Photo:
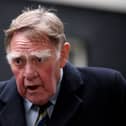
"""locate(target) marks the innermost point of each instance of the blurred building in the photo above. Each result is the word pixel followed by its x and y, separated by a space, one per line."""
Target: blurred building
pixel 95 28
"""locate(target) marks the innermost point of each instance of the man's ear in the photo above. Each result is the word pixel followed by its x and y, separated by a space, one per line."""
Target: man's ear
pixel 64 54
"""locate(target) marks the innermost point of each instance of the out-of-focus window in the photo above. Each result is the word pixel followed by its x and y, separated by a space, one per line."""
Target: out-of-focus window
pixel 79 52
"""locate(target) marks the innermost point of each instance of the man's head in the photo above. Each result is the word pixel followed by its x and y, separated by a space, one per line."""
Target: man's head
pixel 36 50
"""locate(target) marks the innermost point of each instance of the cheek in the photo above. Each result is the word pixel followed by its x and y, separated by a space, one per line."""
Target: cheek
pixel 47 75
pixel 17 73
pixel 15 70
pixel 50 76
pixel 19 81
pixel 53 71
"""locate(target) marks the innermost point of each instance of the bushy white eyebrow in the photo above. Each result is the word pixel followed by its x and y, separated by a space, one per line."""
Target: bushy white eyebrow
pixel 40 54
pixel 12 55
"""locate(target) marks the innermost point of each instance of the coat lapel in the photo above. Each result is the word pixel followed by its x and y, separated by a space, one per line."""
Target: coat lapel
pixel 68 101
pixel 11 107
pixel 64 110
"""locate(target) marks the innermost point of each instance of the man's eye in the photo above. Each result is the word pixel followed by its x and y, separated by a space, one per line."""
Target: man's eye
pixel 18 61
pixel 41 60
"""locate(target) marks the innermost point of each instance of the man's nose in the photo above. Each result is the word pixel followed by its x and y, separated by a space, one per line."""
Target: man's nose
pixel 30 72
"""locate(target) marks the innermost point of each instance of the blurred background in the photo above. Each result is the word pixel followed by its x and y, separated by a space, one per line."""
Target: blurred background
pixel 96 30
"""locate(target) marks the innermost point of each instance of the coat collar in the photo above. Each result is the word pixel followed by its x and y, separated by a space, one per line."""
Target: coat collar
pixel 72 78
pixel 68 101
pixel 11 106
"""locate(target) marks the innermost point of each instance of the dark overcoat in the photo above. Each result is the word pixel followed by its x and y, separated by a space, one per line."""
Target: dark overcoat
pixel 88 97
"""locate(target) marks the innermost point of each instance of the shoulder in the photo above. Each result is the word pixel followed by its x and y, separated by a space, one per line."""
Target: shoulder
pixel 103 79
pixel 3 84
pixel 97 84
pixel 94 73
pixel 94 77
pixel 100 72
pixel 6 84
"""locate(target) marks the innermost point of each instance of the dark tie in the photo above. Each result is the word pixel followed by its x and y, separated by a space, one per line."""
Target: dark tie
pixel 44 120
pixel 43 115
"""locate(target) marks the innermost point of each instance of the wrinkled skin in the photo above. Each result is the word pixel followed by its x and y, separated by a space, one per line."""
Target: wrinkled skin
pixel 36 79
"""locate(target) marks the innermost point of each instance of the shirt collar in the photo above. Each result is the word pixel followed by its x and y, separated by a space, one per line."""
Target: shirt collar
pixel 27 105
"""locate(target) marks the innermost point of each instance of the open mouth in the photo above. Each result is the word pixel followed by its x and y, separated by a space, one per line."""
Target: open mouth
pixel 32 87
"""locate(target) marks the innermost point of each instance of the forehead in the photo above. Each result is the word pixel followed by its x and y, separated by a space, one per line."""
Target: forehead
pixel 21 43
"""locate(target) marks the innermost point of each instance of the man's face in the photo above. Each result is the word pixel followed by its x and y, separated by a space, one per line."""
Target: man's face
pixel 36 66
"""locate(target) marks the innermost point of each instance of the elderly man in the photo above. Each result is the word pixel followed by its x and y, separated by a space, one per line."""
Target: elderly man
pixel 48 90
